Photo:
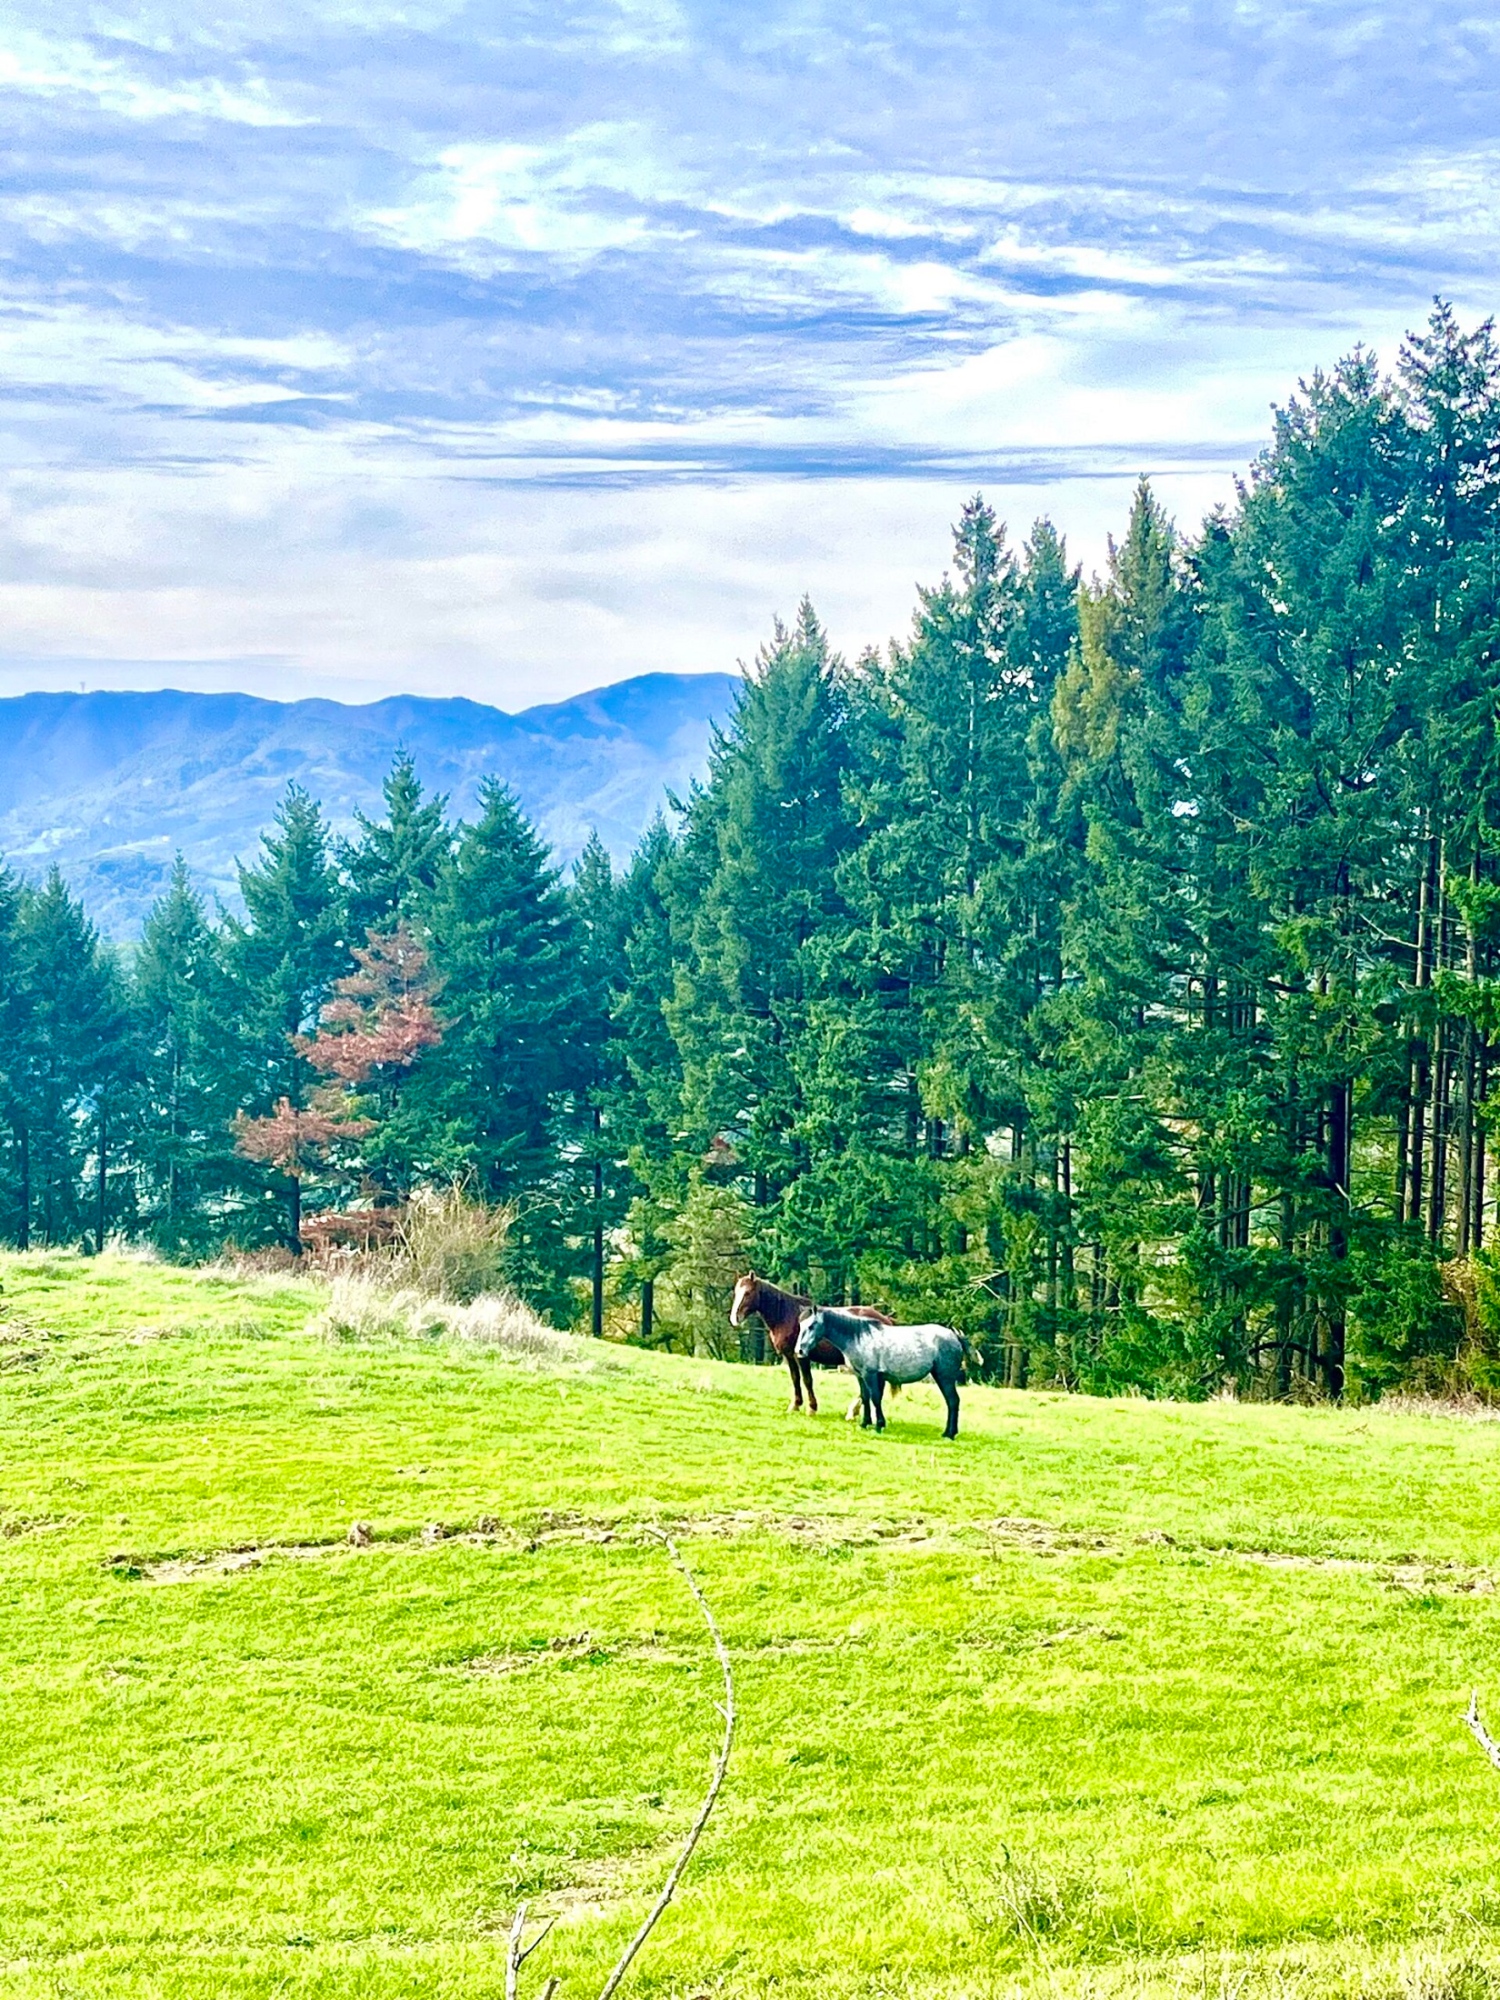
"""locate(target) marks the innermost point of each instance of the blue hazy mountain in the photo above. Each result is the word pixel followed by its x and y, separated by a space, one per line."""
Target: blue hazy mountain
pixel 111 786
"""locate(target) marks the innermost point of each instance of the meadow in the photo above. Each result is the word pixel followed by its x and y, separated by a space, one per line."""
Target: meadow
pixel 1106 1697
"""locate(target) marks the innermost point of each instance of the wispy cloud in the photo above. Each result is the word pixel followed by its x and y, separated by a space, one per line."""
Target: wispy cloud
pixel 323 286
pixel 123 84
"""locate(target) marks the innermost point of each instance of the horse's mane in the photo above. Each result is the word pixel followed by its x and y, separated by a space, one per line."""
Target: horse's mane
pixel 846 1322
pixel 774 1297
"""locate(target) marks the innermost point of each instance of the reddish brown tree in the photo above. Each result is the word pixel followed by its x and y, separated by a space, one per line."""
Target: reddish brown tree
pixel 292 1140
pixel 382 1016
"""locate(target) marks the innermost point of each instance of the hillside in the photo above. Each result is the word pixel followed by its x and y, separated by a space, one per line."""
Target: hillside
pixel 1107 1698
pixel 111 785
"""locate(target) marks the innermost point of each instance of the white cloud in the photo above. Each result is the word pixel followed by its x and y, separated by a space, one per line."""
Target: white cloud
pixel 561 199
pixel 35 66
pixel 508 595
pixel 71 348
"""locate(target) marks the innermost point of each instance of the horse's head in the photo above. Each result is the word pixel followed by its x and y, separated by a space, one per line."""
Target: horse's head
pixel 809 1333
pixel 744 1292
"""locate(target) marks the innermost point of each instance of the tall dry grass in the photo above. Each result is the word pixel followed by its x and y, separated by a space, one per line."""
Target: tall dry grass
pixel 442 1276
pixel 363 1306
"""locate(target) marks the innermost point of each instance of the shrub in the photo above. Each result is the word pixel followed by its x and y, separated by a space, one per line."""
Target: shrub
pixel 450 1246
pixel 1408 1321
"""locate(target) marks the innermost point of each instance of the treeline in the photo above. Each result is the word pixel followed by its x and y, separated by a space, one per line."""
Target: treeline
pixel 1108 969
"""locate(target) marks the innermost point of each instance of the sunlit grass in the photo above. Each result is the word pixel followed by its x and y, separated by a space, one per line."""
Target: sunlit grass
pixel 1102 1698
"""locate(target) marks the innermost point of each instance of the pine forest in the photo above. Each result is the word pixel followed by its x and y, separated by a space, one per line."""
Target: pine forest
pixel 1109 969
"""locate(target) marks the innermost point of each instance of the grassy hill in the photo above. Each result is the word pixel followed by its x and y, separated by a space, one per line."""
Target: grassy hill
pixel 1103 1698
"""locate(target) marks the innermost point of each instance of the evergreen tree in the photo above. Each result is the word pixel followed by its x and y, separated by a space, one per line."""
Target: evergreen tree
pixel 181 1143
pixel 75 1067
pixel 518 1044
pixel 281 961
pixel 755 899
pixel 392 869
pixel 602 1190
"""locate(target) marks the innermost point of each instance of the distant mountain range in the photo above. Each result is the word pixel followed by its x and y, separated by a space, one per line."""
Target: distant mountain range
pixel 110 786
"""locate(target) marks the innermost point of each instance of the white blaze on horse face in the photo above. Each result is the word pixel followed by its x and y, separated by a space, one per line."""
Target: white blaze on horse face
pixel 741 1305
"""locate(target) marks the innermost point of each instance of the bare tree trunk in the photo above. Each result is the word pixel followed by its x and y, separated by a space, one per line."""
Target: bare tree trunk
pixel 102 1190
pixel 1287 1234
pixel 23 1234
pixel 1465 1123
pixel 1437 1180
pixel 1340 1136
pixel 1419 1079
pixel 1476 1227
pixel 598 1300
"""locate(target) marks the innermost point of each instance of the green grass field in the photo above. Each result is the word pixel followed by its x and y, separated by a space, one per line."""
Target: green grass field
pixel 1105 1698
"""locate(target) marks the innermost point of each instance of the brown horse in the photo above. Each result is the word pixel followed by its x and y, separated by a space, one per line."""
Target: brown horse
pixel 782 1313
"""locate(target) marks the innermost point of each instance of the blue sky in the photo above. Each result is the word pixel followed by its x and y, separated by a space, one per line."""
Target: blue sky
pixel 506 350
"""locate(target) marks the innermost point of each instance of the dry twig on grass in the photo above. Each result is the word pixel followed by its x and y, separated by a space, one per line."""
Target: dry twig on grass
pixel 721 1765
pixel 516 1956
pixel 1480 1734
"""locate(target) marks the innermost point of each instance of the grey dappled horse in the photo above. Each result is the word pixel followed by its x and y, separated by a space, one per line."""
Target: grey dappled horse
pixel 881 1354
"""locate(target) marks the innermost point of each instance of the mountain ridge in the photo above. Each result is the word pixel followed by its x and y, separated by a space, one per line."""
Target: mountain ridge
pixel 109 785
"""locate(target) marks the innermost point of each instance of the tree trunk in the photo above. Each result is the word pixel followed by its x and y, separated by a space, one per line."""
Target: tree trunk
pixel 103 1187
pixel 1403 1143
pixel 23 1234
pixel 1482 1082
pixel 1288 1238
pixel 1437 1179
pixel 294 1213
pixel 648 1310
pixel 1420 1073
pixel 1465 1123
pixel 598 1299
pixel 1340 1137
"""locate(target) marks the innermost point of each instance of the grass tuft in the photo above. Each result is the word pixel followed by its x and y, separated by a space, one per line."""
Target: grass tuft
pixel 362 1307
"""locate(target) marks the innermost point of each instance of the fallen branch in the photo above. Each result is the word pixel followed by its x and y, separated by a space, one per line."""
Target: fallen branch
pixel 721 1765
pixel 515 1957
pixel 1480 1734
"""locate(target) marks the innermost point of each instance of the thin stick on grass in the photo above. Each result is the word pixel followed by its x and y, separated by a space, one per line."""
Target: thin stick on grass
pixel 721 1765
pixel 515 1957
pixel 1480 1734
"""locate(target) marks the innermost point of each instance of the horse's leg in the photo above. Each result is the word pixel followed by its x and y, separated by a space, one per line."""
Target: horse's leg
pixel 812 1394
pixel 791 1362
pixel 875 1395
pixel 950 1397
pixel 864 1402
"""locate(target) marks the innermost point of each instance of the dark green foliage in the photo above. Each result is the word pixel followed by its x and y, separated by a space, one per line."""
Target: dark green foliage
pixel 392 869
pixel 182 1143
pixel 517 998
